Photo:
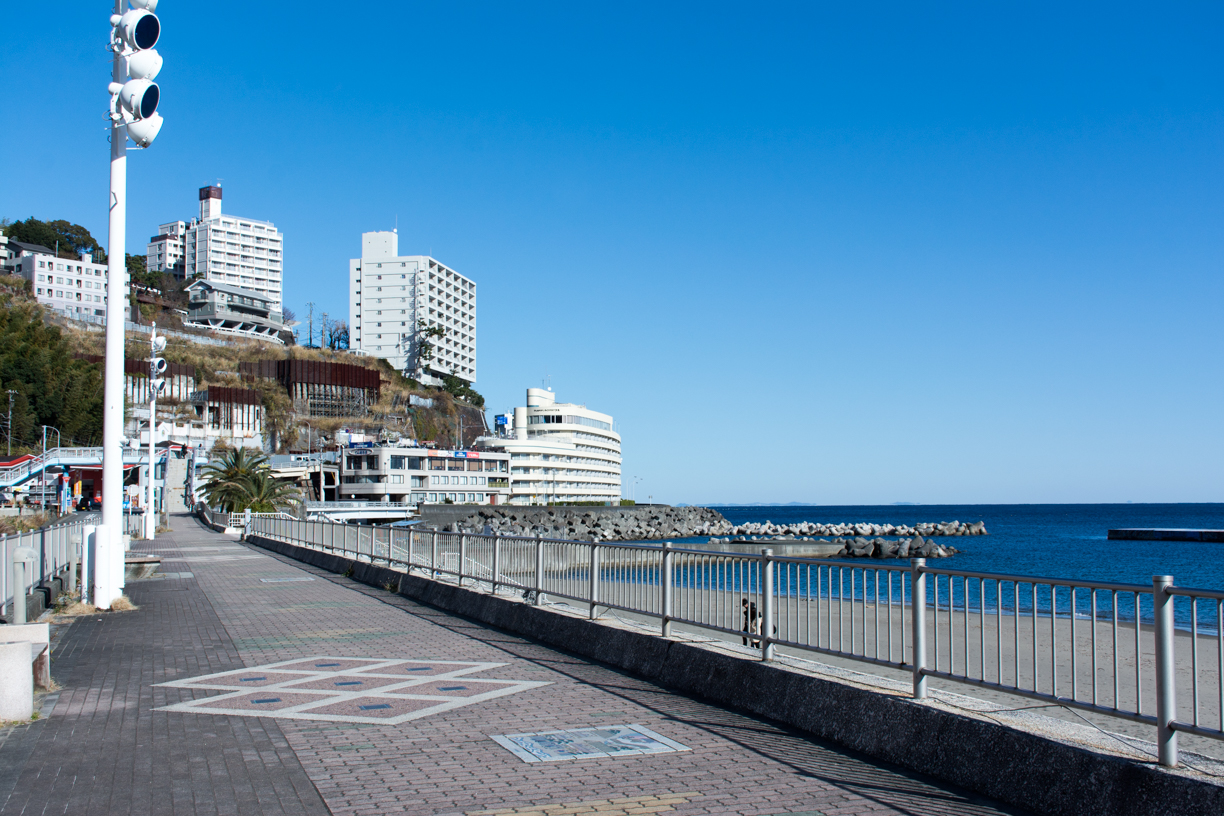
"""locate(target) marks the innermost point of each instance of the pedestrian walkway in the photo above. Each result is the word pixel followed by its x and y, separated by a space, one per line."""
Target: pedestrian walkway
pixel 250 683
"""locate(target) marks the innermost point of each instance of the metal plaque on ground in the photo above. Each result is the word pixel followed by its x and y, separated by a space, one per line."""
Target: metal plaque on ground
pixel 588 743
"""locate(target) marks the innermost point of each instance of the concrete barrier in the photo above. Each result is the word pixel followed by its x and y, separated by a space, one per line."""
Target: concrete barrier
pixel 1036 771
pixel 16 682
pixel 37 636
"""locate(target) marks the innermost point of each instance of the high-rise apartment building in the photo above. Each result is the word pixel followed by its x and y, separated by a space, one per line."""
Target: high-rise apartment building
pixel 224 249
pixel 392 297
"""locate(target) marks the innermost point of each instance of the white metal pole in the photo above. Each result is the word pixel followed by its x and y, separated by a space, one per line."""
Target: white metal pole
pixel 111 531
pixel 150 523
pixel 1166 669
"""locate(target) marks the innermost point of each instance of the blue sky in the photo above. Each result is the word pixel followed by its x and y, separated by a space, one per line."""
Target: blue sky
pixel 801 252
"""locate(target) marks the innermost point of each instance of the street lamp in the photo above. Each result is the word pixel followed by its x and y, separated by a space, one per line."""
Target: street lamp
pixel 133 113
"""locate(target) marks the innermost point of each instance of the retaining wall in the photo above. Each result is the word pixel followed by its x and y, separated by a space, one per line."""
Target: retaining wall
pixel 1033 771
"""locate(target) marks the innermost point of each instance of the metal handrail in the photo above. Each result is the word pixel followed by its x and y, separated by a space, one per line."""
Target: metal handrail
pixel 58 547
pixel 1109 648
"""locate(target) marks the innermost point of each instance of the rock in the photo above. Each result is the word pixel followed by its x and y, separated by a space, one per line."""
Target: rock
pixel 886 549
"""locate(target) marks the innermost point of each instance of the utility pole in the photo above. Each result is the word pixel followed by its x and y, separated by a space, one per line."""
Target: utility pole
pixel 9 429
pixel 310 323
pixel 323 332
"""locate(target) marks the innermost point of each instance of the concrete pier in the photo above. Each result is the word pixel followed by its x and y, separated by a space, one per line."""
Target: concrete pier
pixel 1165 534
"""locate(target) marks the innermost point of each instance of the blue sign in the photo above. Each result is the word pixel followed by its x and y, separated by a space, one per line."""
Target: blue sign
pixel 458 455
pixel 361 445
pixel 501 419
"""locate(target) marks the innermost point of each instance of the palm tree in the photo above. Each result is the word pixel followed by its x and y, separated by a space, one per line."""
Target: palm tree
pixel 264 493
pixel 226 478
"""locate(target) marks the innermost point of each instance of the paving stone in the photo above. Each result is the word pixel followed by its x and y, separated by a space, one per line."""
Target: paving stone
pixel 107 749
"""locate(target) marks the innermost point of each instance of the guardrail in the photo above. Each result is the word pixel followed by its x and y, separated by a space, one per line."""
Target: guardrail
pixel 58 548
pixel 1124 650
pixel 355 505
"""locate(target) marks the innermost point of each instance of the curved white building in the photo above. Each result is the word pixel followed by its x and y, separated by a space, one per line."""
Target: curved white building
pixel 560 452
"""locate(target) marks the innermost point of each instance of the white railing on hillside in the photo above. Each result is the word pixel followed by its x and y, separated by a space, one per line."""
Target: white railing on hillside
pixel 1125 650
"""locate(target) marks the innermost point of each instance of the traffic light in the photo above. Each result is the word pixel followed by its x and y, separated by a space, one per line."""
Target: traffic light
pixel 134 103
pixel 157 366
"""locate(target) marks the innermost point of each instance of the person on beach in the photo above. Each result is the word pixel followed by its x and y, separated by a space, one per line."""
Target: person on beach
pixel 752 622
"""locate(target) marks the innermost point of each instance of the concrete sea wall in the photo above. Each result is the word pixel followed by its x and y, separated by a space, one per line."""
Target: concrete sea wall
pixel 1038 772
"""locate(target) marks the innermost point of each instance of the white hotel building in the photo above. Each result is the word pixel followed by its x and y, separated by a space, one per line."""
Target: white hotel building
pixel 226 249
pixel 390 293
pixel 78 287
pixel 559 452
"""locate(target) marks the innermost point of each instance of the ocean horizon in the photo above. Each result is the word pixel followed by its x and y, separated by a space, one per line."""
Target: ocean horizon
pixel 1041 540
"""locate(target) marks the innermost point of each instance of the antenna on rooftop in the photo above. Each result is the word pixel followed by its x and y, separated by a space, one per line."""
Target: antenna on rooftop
pixel 396 230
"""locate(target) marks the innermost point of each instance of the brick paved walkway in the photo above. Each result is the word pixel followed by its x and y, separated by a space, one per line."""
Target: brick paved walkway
pixel 106 748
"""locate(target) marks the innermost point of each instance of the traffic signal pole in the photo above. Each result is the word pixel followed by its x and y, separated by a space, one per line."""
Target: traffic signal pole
pixel 133 113
pixel 108 576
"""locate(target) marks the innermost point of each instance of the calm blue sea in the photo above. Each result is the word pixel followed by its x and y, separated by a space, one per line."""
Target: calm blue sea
pixel 1047 540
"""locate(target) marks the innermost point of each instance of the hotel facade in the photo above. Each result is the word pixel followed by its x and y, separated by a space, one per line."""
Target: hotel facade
pixel 392 473
pixel 559 452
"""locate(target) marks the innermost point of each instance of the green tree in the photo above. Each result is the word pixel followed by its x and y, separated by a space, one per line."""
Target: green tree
pixel 458 387
pixel 225 479
pixel 70 239
pixel 264 493
pixel 56 388
pixel 425 347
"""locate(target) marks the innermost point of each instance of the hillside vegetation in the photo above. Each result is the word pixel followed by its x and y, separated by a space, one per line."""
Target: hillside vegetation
pixel 39 353
pixel 50 385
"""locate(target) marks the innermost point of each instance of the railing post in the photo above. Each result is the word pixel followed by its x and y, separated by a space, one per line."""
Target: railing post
pixel 593 592
pixel 19 593
pixel 433 555
pixel 767 604
pixel 539 570
pixel 496 561
pixel 918 622
pixel 665 580
pixel 1166 677
pixel 72 560
pixel 462 555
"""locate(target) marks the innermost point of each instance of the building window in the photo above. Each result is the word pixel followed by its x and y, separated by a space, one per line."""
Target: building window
pixel 433 498
pixel 397 479
pixel 397 462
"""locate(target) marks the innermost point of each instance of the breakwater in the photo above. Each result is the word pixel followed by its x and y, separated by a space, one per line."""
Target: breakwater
pixel 856 529
pixel 633 523
pixel 657 522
